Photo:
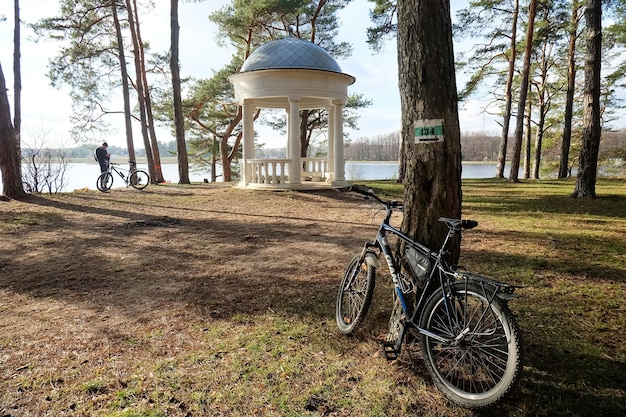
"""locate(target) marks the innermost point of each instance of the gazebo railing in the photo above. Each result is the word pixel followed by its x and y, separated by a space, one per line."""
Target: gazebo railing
pixel 269 171
pixel 314 169
pixel 276 171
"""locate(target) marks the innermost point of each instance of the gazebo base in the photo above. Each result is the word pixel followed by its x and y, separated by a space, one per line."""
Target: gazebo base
pixel 308 185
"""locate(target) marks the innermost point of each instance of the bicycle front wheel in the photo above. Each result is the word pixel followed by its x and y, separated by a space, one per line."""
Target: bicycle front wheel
pixel 139 179
pixel 104 181
pixel 482 359
pixel 355 294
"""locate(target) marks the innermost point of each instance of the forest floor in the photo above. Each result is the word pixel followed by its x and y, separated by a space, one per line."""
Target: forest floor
pixel 208 300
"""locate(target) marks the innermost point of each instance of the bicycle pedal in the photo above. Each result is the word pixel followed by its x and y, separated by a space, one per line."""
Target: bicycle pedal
pixel 390 351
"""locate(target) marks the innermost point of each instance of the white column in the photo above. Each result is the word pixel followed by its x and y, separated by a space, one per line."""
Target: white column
pixel 331 144
pixel 339 164
pixel 293 119
pixel 248 142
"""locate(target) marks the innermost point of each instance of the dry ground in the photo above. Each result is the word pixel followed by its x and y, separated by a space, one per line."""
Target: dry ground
pixel 207 300
pixel 103 297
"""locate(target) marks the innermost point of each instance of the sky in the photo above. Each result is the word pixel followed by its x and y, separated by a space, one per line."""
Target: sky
pixel 46 109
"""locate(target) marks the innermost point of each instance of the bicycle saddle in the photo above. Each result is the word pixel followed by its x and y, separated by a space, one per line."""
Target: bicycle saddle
pixel 458 224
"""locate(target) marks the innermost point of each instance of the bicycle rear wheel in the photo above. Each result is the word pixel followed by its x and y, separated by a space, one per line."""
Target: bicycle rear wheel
pixel 482 361
pixel 139 179
pixel 355 294
pixel 104 181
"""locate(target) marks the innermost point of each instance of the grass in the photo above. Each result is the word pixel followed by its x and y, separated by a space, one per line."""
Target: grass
pixel 286 358
pixel 570 255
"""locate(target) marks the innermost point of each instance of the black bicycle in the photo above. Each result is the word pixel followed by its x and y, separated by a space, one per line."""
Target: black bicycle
pixel 136 178
pixel 469 338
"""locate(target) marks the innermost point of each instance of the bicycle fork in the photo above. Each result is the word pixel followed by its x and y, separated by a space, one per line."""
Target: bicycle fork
pixel 391 350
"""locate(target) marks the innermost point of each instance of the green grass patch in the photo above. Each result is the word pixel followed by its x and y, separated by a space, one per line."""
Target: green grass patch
pixel 570 256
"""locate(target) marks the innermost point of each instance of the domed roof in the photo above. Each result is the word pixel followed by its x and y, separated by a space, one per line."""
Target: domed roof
pixel 290 53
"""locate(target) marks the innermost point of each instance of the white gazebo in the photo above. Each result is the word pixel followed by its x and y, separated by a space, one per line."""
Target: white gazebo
pixel 292 74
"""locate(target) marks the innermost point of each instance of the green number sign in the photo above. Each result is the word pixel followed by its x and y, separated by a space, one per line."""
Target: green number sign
pixel 428 131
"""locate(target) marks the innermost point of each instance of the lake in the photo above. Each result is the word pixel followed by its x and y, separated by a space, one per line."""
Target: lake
pixel 84 174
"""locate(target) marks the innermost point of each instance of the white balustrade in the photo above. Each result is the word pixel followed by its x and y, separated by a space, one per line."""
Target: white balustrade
pixel 269 171
pixel 314 169
pixel 276 171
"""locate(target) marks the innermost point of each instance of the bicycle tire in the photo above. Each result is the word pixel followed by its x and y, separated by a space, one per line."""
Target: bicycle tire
pixel 355 295
pixel 139 179
pixel 104 182
pixel 483 365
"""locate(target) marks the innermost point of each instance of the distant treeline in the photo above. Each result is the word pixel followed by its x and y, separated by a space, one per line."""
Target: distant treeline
pixel 475 146
pixel 87 151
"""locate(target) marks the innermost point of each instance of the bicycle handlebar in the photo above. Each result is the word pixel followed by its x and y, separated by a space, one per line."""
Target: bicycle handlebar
pixel 370 193
pixel 453 224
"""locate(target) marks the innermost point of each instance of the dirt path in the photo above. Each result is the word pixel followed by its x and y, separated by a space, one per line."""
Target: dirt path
pixel 87 278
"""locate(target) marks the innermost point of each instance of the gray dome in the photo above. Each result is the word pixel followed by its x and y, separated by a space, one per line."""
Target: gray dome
pixel 290 53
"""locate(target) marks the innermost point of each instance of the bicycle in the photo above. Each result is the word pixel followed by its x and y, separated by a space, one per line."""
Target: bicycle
pixel 470 341
pixel 136 178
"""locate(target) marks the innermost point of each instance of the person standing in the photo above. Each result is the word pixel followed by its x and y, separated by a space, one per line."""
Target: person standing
pixel 103 157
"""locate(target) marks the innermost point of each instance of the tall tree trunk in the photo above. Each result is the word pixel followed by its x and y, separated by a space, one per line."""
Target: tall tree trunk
pixel 17 78
pixel 428 93
pixel 588 161
pixel 538 145
pixel 528 140
pixel 125 88
pixel 543 110
pixel 10 161
pixel 569 96
pixel 154 144
pixel 304 132
pixel 179 121
pixel 141 96
pixel 521 105
pixel 508 95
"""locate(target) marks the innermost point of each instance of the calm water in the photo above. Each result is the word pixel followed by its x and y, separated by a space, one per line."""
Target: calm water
pixel 84 175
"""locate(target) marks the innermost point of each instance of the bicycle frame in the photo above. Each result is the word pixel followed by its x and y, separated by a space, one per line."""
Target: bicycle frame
pixel 119 172
pixel 469 338
pixel 382 244
pixel 439 265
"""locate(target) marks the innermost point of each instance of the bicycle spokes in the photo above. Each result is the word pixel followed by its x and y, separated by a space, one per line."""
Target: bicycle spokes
pixel 475 358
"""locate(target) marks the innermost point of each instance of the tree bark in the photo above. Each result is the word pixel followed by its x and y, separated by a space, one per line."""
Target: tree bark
pixel 588 161
pixel 157 178
pixel 179 121
pixel 141 96
pixel 10 160
pixel 17 79
pixel 304 132
pixel 125 88
pixel 527 143
pixel 569 95
pixel 508 94
pixel 521 105
pixel 428 92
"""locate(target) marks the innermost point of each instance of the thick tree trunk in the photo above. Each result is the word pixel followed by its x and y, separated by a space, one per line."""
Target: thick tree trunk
pixel 428 93
pixel 179 121
pixel 10 161
pixel 588 161
pixel 508 94
pixel 521 105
